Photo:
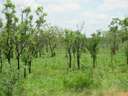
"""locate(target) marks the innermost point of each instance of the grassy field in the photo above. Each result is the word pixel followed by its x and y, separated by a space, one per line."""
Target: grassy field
pixel 50 77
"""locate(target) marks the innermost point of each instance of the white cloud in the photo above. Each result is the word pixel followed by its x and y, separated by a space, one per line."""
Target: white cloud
pixel 25 3
pixel 95 21
pixel 63 7
pixel 96 15
pixel 115 4
pixel 21 3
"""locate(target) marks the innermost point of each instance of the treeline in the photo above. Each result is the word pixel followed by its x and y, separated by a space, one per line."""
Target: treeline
pixel 28 36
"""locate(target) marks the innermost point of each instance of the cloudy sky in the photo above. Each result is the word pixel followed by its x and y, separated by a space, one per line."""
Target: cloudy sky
pixel 96 14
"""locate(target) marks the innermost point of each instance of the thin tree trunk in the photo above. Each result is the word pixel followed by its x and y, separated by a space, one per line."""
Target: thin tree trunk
pixel 18 62
pixel 9 60
pixel 52 51
pixel 94 61
pixel 25 72
pixel 127 59
pixel 111 59
pixel 30 63
pixel 1 62
pixel 47 48
pixel 9 93
pixel 78 59
pixel 70 58
pixel 40 53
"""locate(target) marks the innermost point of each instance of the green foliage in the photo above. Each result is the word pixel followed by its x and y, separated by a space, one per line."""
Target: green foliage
pixel 1 23
pixel 75 44
pixel 7 82
pixel 114 35
pixel 78 82
pixel 92 46
pixel 41 17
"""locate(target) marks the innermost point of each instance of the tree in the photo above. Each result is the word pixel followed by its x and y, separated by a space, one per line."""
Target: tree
pixel 1 51
pixel 124 36
pixel 126 50
pixel 21 34
pixel 113 37
pixel 39 38
pixel 69 40
pixel 78 46
pixel 1 61
pixel 75 43
pixel 51 39
pixel 92 46
pixel 27 32
pixel 27 57
pixel 9 11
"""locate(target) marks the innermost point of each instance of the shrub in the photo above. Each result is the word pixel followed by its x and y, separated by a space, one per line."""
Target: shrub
pixel 78 81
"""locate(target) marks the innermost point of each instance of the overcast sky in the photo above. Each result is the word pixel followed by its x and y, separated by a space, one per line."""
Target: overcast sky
pixel 96 14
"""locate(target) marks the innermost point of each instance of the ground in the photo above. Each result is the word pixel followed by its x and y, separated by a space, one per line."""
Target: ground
pixel 51 77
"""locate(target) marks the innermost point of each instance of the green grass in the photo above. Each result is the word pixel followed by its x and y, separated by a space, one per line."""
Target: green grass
pixel 50 77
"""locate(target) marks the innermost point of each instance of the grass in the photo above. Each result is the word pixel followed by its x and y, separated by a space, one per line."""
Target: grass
pixel 50 77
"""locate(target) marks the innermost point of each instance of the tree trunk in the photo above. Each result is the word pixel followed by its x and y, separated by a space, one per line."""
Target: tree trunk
pixel 127 59
pixel 9 93
pixel 10 53
pixel 94 61
pixel 52 51
pixel 47 48
pixel 40 53
pixel 78 59
pixel 30 63
pixel 1 62
pixel 111 59
pixel 25 72
pixel 70 58
pixel 18 62
pixel 9 60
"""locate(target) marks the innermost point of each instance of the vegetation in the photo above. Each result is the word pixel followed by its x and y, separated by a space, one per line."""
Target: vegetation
pixel 35 56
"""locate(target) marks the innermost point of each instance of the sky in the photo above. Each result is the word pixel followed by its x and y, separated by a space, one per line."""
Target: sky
pixel 96 14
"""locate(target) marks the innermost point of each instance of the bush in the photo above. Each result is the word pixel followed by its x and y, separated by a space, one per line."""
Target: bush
pixel 7 82
pixel 78 81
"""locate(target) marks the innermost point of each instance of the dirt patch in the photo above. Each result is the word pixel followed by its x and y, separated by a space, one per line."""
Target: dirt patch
pixel 115 94
pixel 122 94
